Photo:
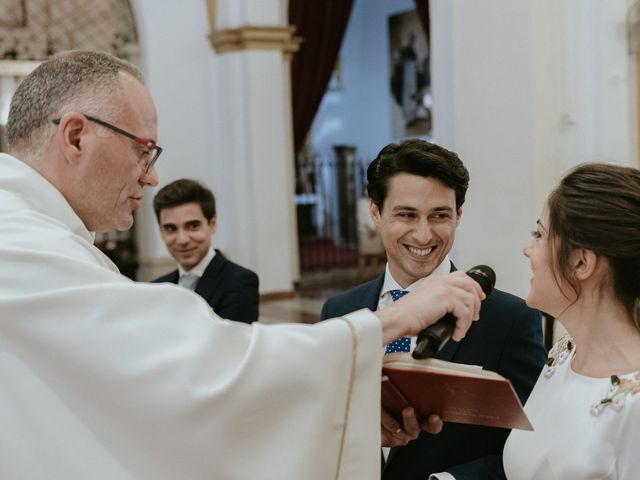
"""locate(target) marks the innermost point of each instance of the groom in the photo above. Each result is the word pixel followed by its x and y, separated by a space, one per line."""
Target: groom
pixel 417 190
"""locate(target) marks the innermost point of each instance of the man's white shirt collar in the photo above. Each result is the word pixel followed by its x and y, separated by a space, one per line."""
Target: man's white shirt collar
pixel 199 269
pixel 390 283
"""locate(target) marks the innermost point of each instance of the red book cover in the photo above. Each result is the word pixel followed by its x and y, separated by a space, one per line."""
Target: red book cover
pixel 458 393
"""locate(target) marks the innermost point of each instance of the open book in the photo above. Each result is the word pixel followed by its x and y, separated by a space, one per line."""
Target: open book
pixel 458 393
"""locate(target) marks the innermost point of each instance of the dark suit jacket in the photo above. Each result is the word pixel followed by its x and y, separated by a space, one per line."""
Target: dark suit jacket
pixel 231 290
pixel 507 339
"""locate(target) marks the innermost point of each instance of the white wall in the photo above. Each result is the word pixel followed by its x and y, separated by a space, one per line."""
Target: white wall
pixel 538 86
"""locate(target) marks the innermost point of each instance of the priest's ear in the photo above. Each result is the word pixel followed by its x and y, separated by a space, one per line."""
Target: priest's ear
pixel 72 135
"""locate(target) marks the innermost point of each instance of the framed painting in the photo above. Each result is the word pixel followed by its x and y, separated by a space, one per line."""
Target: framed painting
pixel 410 76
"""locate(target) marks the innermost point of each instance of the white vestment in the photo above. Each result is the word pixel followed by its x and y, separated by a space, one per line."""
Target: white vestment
pixel 105 378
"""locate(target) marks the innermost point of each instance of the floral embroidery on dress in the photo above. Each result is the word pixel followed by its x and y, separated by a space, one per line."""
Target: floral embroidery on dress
pixel 618 392
pixel 558 355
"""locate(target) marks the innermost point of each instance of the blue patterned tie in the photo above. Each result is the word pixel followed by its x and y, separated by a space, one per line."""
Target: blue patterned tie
pixel 402 344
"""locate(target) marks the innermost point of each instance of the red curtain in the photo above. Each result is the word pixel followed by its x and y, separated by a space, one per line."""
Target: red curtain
pixel 422 8
pixel 321 23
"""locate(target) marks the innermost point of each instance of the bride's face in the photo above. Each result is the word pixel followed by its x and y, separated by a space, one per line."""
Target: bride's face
pixel 545 293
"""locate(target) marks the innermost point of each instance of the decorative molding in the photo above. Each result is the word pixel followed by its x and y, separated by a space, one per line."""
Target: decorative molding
pixel 256 38
pixel 252 37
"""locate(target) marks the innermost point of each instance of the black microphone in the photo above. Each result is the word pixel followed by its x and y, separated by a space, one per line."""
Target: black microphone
pixel 433 338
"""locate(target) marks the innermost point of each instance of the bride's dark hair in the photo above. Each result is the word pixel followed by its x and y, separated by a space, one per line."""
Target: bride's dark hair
pixel 597 206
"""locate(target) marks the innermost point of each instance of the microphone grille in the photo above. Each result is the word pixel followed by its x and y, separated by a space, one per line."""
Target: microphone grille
pixel 484 276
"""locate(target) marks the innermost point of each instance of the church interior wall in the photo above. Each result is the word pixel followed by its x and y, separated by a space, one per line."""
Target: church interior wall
pixel 522 91
pixel 175 58
pixel 223 120
pixel 538 88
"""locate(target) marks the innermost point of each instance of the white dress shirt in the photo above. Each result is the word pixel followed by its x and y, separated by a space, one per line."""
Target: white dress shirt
pixel 199 269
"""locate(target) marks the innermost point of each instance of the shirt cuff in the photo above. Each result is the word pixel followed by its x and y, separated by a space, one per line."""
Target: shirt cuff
pixel 441 476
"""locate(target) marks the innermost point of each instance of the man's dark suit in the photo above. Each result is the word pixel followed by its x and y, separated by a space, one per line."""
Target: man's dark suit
pixel 507 339
pixel 231 290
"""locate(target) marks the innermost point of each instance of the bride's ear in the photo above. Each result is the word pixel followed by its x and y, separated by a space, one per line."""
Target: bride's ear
pixel 584 262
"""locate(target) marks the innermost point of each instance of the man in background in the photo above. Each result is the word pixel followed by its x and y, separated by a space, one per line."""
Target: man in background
pixel 417 190
pixel 186 214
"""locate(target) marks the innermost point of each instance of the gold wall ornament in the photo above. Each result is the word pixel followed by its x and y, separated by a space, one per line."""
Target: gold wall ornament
pixel 252 37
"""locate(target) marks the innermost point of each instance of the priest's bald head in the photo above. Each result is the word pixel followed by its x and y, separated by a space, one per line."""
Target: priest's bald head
pixel 85 121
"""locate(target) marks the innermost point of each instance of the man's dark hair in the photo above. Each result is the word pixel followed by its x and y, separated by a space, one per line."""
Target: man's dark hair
pixel 185 191
pixel 416 157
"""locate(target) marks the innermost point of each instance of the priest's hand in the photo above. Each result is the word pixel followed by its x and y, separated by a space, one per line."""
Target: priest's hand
pixel 395 435
pixel 456 293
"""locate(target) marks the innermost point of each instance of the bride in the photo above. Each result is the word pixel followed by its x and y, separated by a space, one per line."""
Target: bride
pixel 585 263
